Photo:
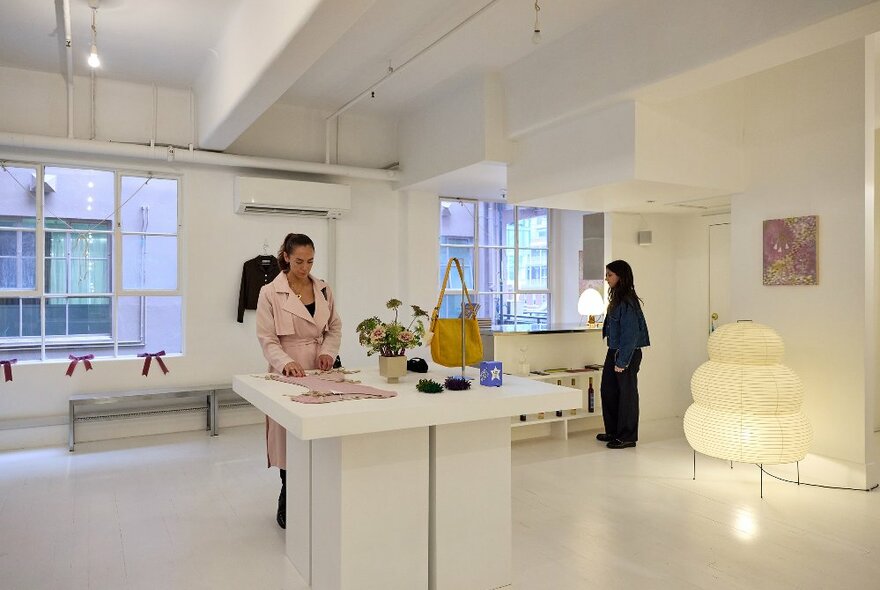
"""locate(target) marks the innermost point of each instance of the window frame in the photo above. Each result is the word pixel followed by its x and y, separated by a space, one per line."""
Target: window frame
pixel 476 247
pixel 45 342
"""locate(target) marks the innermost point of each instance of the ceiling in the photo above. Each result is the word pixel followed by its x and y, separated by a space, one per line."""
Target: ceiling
pixel 322 54
pixel 168 42
pixel 165 42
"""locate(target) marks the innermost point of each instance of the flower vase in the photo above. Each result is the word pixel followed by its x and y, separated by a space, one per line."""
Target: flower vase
pixel 392 367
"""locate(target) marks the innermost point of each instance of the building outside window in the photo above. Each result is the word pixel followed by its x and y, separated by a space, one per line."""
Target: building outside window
pixel 88 263
pixel 505 253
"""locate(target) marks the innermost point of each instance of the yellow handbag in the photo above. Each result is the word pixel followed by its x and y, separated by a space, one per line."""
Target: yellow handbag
pixel 446 341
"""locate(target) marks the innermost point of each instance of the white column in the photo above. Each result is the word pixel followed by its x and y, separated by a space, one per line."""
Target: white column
pixel 470 542
pixel 369 501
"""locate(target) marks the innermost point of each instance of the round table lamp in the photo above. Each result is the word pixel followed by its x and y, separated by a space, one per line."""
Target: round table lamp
pixel 591 304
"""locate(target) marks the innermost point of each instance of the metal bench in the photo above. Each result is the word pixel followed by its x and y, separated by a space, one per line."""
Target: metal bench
pixel 89 399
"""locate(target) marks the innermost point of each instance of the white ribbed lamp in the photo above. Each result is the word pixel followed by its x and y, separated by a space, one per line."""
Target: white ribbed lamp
pixel 747 405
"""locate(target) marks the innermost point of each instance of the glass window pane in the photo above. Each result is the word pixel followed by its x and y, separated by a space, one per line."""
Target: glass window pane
pixel 496 224
pixel 18 204
pixel 8 243
pixel 533 270
pixel 19 318
pixel 9 273
pixel 17 252
pixel 153 208
pixel 56 244
pixel 532 227
pixel 149 324
pixel 465 256
pixel 90 244
pixel 451 306
pixel 149 262
pixel 456 222
pixel 28 272
pixel 533 308
pixel 490 307
pixel 78 316
pixel 506 309
pixel 89 276
pixel 81 198
pixel 56 275
pixel 496 269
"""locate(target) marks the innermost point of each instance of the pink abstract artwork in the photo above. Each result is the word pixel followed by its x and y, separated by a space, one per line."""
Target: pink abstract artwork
pixel 790 251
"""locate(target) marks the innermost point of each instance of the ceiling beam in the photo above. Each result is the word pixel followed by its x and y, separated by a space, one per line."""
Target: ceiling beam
pixel 266 47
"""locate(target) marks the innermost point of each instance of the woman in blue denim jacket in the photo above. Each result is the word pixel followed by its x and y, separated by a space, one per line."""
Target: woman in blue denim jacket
pixel 627 333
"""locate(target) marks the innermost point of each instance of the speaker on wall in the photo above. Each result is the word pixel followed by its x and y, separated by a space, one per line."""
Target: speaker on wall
pixel 645 238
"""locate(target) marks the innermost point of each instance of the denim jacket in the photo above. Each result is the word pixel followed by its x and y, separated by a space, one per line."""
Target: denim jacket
pixel 626 330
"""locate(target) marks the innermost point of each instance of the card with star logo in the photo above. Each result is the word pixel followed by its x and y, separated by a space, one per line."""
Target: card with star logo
pixel 490 373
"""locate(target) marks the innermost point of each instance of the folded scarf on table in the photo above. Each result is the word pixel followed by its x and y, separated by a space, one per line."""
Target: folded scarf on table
pixel 320 391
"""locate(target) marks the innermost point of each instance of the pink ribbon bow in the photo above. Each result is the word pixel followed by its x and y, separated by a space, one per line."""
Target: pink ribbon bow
pixel 75 359
pixel 148 358
pixel 7 368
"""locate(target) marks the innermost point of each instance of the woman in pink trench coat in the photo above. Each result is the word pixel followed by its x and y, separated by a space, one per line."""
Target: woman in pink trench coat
pixel 298 329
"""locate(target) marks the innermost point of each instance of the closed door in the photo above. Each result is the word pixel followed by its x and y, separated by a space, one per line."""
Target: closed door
pixel 719 275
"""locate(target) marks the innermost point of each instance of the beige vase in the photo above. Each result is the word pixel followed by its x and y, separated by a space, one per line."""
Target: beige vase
pixel 392 367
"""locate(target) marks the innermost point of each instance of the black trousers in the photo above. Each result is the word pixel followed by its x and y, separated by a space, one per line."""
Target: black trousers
pixel 620 398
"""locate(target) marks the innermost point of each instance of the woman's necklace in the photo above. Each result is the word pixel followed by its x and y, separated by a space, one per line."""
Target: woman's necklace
pixel 295 292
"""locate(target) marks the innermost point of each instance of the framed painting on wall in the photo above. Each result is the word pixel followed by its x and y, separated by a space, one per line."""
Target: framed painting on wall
pixel 790 251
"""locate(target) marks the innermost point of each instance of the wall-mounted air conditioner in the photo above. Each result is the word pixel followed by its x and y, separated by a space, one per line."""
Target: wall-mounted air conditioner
pixel 277 196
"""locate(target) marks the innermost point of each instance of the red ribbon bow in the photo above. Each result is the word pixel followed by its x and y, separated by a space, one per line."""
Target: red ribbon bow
pixel 148 358
pixel 75 359
pixel 7 368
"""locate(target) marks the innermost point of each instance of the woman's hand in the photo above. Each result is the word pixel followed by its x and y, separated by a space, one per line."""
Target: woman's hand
pixel 619 369
pixel 325 362
pixel 293 369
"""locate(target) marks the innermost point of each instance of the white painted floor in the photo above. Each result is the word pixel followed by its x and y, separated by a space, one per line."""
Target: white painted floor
pixel 187 511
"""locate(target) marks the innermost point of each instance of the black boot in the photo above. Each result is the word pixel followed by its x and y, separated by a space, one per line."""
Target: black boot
pixel 281 516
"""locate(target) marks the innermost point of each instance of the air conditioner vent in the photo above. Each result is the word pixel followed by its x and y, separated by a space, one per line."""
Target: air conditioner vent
pixel 276 196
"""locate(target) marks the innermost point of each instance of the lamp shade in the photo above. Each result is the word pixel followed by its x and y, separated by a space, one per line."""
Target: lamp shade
pixel 747 405
pixel 591 303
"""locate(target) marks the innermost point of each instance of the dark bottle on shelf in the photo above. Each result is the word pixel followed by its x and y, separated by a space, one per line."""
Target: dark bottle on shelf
pixel 522 417
pixel 591 398
pixel 559 413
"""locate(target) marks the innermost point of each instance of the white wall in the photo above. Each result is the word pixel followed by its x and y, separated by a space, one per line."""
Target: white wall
pixel 568 230
pixel 451 129
pixel 691 309
pixel 297 133
pixel 659 389
pixel 806 142
pixel 215 242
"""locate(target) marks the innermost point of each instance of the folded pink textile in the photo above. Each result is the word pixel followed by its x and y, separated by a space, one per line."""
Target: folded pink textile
pixel 322 391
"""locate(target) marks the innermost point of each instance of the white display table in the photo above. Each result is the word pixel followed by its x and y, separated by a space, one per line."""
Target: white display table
pixel 409 493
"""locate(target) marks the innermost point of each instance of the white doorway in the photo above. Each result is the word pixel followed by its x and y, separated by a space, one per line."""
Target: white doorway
pixel 719 274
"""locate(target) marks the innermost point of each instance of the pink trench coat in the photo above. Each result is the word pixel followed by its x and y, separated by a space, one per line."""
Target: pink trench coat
pixel 288 332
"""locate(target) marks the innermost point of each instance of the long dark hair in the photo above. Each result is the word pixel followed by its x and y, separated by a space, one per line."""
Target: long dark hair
pixel 292 242
pixel 625 290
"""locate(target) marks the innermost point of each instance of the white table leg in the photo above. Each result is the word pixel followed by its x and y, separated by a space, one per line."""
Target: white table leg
pixel 470 540
pixel 369 511
pixel 299 498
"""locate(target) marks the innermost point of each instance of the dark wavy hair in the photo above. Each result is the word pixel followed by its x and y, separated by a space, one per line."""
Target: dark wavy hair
pixel 625 290
pixel 292 242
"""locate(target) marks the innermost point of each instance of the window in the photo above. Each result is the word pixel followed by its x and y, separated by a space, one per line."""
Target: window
pixel 88 262
pixel 505 251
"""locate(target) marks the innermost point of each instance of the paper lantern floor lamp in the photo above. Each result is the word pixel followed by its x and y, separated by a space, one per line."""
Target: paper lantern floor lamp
pixel 747 405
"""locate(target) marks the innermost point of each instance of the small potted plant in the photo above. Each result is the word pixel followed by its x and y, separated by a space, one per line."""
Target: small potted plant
pixel 391 339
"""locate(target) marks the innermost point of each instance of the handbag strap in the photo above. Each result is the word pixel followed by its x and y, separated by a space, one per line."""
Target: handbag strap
pixel 464 290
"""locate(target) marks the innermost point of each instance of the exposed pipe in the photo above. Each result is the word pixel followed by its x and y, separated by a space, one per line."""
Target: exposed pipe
pixel 184 156
pixel 68 49
pixel 155 114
